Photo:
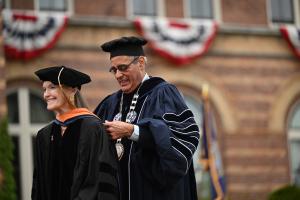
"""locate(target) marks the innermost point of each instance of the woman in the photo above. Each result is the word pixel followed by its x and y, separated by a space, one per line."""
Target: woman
pixel 74 158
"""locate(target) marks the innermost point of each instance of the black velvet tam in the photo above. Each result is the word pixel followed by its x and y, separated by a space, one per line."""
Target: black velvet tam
pixel 68 76
pixel 125 46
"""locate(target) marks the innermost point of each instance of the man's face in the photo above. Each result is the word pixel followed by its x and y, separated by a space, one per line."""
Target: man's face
pixel 132 76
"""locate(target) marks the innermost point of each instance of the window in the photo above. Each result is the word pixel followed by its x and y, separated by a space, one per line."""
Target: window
pixel 38 112
pixel 200 9
pixel 282 11
pixel 13 111
pixel 4 3
pixel 202 177
pixel 144 7
pixel 44 5
pixel 27 113
pixel 53 5
pixel 294 144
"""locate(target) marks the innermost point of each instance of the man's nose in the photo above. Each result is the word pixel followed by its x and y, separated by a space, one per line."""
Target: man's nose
pixel 118 74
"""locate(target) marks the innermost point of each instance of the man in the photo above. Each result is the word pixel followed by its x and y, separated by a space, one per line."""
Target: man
pixel 156 134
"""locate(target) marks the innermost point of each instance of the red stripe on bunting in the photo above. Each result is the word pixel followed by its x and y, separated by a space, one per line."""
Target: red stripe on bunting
pixel 288 35
pixel 24 17
pixel 179 60
pixel 14 53
pixel 178 25
pixel 28 34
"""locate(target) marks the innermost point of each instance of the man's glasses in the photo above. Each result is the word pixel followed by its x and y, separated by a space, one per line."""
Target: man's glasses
pixel 122 67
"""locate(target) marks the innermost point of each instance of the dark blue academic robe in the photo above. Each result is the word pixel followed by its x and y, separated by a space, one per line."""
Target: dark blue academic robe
pixel 159 165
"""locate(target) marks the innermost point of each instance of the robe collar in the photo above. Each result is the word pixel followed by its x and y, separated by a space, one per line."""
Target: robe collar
pixel 146 87
pixel 69 117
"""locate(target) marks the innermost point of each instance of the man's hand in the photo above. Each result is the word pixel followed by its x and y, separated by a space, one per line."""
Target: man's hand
pixel 118 129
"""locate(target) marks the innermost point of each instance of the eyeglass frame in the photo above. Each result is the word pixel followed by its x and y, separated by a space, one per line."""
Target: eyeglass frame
pixel 122 67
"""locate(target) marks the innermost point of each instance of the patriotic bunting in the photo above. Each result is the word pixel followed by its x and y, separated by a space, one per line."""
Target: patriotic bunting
pixel 292 35
pixel 27 35
pixel 181 41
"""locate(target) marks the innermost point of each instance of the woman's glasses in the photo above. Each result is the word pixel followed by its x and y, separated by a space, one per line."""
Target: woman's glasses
pixel 122 67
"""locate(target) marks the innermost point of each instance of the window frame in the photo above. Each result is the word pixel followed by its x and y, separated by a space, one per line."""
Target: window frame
pixel 196 95
pixel 7 4
pixel 293 134
pixel 192 102
pixel 160 8
pixel 24 130
pixel 216 10
pixel 69 9
pixel 296 11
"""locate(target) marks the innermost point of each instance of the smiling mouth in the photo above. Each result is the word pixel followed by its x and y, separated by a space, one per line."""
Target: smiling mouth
pixel 123 82
pixel 50 100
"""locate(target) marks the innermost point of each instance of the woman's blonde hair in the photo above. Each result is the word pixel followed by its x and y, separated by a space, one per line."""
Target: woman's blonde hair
pixel 79 101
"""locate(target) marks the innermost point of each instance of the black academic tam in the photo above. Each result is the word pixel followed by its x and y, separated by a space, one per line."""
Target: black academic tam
pixel 125 46
pixel 63 75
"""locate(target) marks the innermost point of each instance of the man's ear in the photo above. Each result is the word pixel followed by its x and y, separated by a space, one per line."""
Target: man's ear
pixel 141 60
pixel 142 63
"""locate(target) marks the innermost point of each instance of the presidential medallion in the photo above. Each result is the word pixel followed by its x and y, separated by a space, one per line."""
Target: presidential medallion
pixel 130 117
pixel 119 148
pixel 118 117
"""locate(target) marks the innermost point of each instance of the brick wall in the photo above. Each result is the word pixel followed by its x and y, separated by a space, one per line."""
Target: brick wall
pixel 100 7
pixel 22 4
pixel 246 12
pixel 174 8
pixel 255 164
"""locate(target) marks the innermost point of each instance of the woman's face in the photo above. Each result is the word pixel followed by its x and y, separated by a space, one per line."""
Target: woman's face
pixel 55 99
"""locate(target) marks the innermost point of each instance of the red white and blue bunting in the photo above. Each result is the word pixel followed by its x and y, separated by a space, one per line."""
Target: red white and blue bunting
pixel 292 35
pixel 27 34
pixel 181 41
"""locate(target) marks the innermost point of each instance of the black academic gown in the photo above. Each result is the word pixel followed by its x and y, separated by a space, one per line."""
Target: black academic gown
pixel 81 164
pixel 159 166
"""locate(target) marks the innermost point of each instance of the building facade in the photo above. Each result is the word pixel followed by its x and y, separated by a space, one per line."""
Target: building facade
pixel 2 82
pixel 253 76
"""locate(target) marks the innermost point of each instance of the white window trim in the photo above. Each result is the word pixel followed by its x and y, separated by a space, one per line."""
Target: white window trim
pixel 293 134
pixel 7 4
pixel 296 12
pixel 272 25
pixel 24 130
pixel 216 9
pixel 160 9
pixel 69 10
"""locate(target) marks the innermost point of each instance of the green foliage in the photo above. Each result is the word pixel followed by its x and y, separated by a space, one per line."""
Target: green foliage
pixel 289 192
pixel 7 187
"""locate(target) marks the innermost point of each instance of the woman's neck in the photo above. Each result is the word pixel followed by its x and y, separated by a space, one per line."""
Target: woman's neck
pixel 63 110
